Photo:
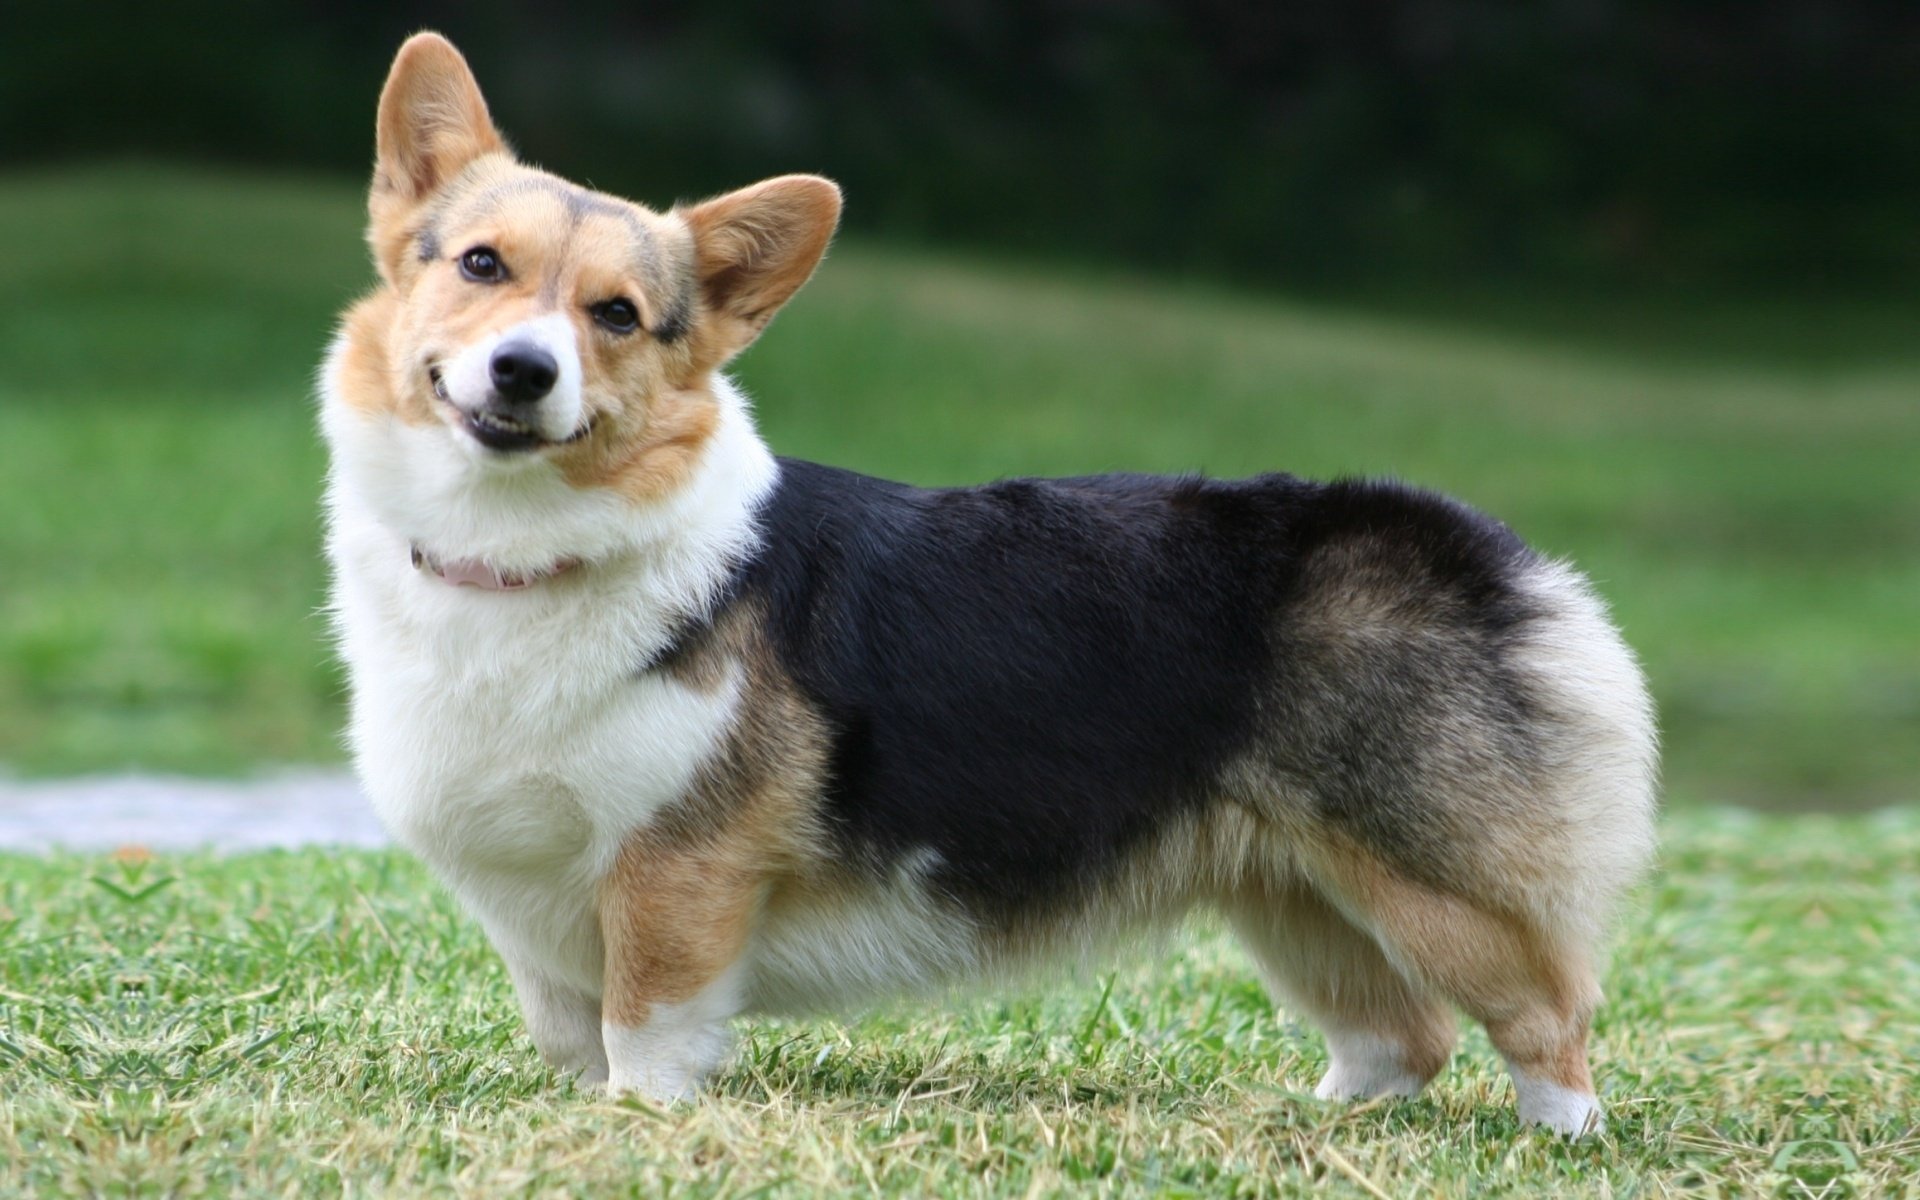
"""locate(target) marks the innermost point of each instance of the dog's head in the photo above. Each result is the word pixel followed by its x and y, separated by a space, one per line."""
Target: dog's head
pixel 525 320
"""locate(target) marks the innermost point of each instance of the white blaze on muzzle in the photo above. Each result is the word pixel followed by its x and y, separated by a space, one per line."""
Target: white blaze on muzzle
pixel 472 379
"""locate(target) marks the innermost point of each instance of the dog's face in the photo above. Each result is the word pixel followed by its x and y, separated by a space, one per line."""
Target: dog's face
pixel 526 320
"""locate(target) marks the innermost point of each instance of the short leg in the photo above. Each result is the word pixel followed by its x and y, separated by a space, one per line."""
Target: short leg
pixel 665 1051
pixel 1533 990
pixel 1546 1053
pixel 675 919
pixel 1385 1036
pixel 563 1021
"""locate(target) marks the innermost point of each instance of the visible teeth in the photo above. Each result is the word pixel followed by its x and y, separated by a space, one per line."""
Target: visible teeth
pixel 502 424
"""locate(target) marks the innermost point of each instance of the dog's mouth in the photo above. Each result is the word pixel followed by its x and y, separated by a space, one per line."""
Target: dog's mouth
pixel 497 430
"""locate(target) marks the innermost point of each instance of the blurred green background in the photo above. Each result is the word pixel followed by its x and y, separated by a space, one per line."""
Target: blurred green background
pixel 1635 278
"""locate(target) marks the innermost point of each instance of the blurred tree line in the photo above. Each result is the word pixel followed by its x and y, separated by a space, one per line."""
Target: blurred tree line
pixel 1770 142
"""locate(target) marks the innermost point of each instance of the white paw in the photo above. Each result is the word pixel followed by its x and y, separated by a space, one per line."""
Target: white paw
pixel 1338 1084
pixel 1561 1109
pixel 1365 1066
pixel 660 1087
pixel 591 1079
pixel 665 1060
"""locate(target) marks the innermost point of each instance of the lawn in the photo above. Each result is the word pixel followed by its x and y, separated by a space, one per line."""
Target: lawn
pixel 1738 477
pixel 306 1023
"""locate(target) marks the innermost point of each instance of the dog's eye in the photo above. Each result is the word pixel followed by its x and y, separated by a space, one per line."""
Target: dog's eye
pixel 618 315
pixel 482 265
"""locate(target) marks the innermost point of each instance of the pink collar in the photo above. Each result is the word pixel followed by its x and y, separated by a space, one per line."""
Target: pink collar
pixel 476 572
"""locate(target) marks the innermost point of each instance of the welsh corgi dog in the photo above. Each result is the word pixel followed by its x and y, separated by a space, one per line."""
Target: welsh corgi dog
pixel 696 732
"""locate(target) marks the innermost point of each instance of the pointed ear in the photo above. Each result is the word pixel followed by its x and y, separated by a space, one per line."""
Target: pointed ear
pixel 432 123
pixel 433 120
pixel 756 246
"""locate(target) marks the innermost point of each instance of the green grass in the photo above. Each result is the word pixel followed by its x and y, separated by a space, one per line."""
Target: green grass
pixel 1737 477
pixel 328 1024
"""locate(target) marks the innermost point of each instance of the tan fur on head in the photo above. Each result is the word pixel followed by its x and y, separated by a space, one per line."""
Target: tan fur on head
pixel 433 122
pixel 705 279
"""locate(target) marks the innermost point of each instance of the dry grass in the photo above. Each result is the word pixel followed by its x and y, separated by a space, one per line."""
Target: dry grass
pixel 311 1024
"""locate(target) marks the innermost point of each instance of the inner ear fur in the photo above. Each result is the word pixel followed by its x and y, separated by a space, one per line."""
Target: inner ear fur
pixel 433 122
pixel 756 246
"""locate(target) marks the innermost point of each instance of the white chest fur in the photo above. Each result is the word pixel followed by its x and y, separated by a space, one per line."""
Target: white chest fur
pixel 515 746
pixel 514 739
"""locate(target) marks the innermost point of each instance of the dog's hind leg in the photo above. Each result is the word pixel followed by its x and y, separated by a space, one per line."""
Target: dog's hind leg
pixel 1533 988
pixel 1385 1034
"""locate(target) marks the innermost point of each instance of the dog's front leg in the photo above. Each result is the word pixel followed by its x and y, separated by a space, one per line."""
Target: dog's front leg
pixel 676 919
pixel 563 1021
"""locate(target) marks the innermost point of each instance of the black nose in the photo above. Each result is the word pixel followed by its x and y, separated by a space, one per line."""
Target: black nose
pixel 522 372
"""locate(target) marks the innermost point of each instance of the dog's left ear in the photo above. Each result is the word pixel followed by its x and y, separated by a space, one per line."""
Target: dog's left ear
pixel 432 123
pixel 756 247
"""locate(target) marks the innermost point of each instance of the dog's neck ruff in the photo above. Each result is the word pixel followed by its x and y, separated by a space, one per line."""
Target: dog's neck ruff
pixel 475 572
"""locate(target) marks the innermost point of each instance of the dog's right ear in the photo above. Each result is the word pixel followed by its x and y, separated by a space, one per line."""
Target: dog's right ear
pixel 432 123
pixel 756 247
